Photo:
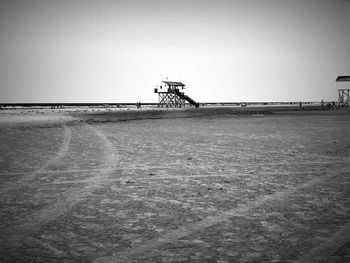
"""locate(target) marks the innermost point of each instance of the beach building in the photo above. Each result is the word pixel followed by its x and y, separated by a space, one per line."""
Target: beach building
pixel 343 86
pixel 169 95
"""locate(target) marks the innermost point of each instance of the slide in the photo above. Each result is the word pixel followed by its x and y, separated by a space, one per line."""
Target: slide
pixel 187 98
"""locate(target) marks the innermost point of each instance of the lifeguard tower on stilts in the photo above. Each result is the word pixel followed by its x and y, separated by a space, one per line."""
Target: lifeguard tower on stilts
pixel 343 92
pixel 169 95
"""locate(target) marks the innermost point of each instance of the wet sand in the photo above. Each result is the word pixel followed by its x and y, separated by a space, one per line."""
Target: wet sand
pixel 86 114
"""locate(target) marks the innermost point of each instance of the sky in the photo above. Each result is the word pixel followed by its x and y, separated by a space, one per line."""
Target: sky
pixel 100 51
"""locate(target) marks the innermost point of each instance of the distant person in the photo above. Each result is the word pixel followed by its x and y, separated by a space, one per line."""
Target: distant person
pixel 300 105
pixel 322 104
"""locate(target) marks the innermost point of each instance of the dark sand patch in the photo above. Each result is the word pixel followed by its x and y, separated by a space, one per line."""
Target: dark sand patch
pixel 164 113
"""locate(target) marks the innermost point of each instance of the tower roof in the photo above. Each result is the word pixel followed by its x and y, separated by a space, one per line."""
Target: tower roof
pixel 174 83
pixel 342 78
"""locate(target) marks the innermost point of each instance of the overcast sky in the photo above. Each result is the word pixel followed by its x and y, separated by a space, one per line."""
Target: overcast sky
pixel 119 51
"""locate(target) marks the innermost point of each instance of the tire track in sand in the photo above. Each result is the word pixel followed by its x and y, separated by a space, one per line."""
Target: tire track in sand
pixel 63 149
pixel 33 222
pixel 328 250
pixel 188 229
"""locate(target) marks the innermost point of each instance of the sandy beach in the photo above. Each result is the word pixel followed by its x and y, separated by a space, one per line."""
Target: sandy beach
pixel 186 185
